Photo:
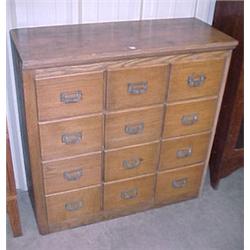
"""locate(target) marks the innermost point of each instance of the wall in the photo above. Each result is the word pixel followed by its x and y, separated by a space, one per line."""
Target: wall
pixel 27 13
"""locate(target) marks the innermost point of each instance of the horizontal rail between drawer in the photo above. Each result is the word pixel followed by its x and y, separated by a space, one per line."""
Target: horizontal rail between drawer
pixel 73 190
pixel 72 157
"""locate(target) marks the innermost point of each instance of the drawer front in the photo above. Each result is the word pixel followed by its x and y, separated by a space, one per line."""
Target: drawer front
pixel 133 127
pixel 184 151
pixel 136 87
pixel 189 118
pixel 73 206
pixel 124 194
pixel 68 138
pixel 69 96
pixel 195 79
pixel 72 173
pixel 130 162
pixel 176 185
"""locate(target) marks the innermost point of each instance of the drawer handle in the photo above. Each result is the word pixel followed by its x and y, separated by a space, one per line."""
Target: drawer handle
pixel 133 163
pixel 129 194
pixel 74 138
pixel 189 119
pixel 73 175
pixel 73 206
pixel 180 183
pixel 183 153
pixel 71 97
pixel 137 88
pixel 196 82
pixel 133 129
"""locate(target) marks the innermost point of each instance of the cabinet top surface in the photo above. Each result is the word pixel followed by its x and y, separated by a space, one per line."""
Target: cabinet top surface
pixel 53 46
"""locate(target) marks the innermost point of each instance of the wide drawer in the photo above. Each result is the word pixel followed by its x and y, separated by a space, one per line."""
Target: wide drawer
pixel 69 96
pixel 189 117
pixel 72 173
pixel 71 207
pixel 195 79
pixel 130 162
pixel 135 87
pixel 133 127
pixel 184 151
pixel 127 193
pixel 71 137
pixel 176 185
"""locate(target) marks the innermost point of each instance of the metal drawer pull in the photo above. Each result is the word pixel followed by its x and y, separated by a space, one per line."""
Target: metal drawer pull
pixel 71 97
pixel 133 129
pixel 74 138
pixel 189 119
pixel 137 88
pixel 196 82
pixel 183 153
pixel 73 206
pixel 73 175
pixel 180 183
pixel 133 163
pixel 129 194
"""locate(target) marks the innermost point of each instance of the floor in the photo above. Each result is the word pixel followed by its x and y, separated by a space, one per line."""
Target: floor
pixel 212 222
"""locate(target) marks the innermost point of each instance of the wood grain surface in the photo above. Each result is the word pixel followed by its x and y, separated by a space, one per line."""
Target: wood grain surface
pixel 203 109
pixel 69 96
pixel 88 43
pixel 146 124
pixel 136 191
pixel 178 184
pixel 87 129
pixel 132 161
pixel 184 150
pixel 77 205
pixel 181 73
pixel 136 87
pixel 72 173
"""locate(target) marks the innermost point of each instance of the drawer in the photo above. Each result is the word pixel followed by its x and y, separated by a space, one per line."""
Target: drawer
pixel 72 173
pixel 184 151
pixel 72 137
pixel 130 162
pixel 127 193
pixel 77 206
pixel 69 96
pixel 133 127
pixel 195 79
pixel 135 87
pixel 176 185
pixel 189 117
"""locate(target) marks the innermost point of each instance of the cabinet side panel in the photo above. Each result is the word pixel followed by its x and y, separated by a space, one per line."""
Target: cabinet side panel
pixel 220 96
pixel 27 109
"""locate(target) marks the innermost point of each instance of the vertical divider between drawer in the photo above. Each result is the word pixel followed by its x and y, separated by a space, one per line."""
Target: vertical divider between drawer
pixel 103 135
pixel 163 123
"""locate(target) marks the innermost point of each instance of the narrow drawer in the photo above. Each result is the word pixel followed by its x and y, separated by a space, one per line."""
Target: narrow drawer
pixel 184 151
pixel 133 127
pixel 181 184
pixel 195 79
pixel 69 96
pixel 77 206
pixel 189 117
pixel 72 173
pixel 123 194
pixel 130 162
pixel 68 138
pixel 135 87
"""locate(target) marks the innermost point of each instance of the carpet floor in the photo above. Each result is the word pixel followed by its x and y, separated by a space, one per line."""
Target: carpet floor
pixel 212 222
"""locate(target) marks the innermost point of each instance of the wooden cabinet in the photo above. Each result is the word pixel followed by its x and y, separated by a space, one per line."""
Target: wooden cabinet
pixel 228 150
pixel 12 205
pixel 116 126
